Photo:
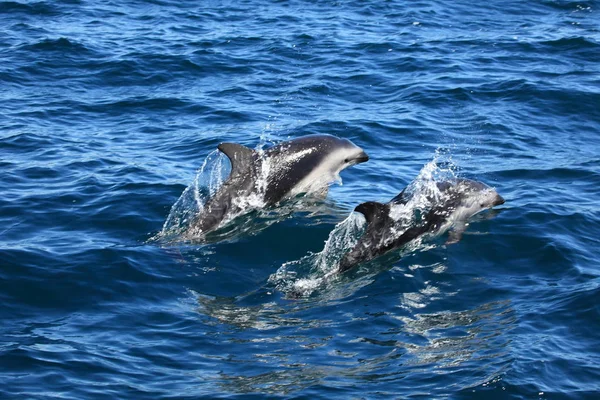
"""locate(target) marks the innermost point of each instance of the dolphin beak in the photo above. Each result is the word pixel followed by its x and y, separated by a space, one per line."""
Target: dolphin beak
pixel 361 158
pixel 499 200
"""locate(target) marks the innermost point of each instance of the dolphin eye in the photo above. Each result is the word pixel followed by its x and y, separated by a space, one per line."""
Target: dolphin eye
pixel 346 160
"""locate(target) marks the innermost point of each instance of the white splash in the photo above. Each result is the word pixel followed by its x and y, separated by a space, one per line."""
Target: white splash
pixel 209 177
pixel 423 191
pixel 318 269
pixel 263 174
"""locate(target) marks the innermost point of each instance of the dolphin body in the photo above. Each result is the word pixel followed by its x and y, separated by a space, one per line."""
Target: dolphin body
pixel 458 200
pixel 304 165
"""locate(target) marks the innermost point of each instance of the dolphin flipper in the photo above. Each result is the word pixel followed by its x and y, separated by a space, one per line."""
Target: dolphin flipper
pixel 456 234
pixel 241 157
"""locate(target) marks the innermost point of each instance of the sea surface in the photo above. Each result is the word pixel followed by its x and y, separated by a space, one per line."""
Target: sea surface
pixel 109 110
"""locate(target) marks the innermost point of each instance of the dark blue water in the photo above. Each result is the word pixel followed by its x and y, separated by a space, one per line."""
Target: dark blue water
pixel 107 110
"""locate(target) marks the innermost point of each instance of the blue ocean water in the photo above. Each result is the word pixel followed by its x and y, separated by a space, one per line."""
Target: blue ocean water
pixel 108 109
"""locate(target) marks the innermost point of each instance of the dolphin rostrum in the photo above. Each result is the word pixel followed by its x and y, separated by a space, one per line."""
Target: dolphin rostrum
pixel 455 202
pixel 306 165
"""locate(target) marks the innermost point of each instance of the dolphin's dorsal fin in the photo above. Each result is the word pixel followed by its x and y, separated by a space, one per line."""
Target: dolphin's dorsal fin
pixel 373 211
pixel 400 198
pixel 241 157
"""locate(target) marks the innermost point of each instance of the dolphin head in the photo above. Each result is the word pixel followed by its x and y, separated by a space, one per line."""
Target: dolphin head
pixel 328 156
pixel 469 197
pixel 353 154
pixel 307 164
pixel 317 156
pixel 340 153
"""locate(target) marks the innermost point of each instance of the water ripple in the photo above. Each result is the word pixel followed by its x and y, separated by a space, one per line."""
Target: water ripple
pixel 108 111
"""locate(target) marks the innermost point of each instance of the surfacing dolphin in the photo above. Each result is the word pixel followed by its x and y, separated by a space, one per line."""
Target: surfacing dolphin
pixel 306 165
pixel 456 202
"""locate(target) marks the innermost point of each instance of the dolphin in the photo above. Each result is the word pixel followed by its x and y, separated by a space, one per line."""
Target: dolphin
pixel 306 165
pixel 455 202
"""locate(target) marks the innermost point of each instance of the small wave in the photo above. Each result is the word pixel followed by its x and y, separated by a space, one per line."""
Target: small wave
pixel 61 44
pixel 40 8
pixel 573 6
pixel 571 43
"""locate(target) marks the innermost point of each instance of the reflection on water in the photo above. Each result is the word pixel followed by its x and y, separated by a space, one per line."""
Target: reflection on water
pixel 453 338
pixel 409 340
pixel 289 379
pixel 265 316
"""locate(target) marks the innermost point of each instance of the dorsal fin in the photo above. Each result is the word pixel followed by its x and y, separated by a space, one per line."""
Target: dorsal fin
pixel 241 157
pixel 373 211
pixel 400 198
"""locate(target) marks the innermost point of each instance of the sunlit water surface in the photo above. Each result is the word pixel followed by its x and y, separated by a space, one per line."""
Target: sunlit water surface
pixel 109 110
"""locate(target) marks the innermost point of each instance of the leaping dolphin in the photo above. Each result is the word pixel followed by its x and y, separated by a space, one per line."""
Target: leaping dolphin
pixel 304 165
pixel 456 202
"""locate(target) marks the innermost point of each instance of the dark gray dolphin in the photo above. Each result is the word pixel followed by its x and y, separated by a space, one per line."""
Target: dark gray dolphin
pixel 264 178
pixel 456 202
